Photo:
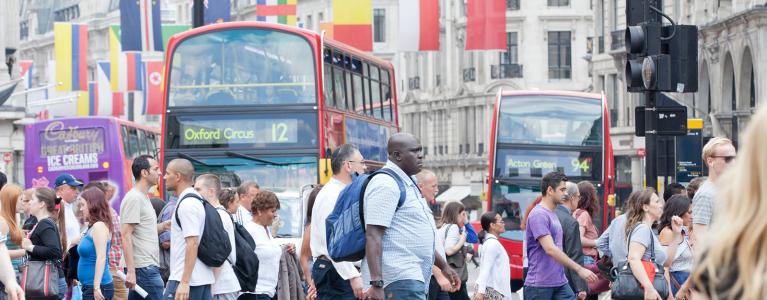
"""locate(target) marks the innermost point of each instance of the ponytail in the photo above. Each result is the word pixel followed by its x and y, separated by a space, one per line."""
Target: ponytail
pixel 486 220
pixel 481 236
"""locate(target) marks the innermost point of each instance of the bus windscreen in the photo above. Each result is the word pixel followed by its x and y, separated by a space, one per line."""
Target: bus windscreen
pixel 242 67
pixel 550 120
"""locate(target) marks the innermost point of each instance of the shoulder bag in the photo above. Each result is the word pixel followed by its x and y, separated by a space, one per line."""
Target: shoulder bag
pixel 627 287
pixel 457 261
pixel 40 278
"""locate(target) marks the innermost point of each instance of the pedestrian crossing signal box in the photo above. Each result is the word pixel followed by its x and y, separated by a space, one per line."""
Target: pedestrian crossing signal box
pixel 672 121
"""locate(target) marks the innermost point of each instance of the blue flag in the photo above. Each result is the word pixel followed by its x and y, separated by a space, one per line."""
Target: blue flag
pixel 217 11
pixel 140 25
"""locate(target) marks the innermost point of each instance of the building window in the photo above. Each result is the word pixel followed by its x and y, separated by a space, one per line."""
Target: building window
pixel 309 24
pixel 614 15
pixel 379 25
pixel 559 2
pixel 510 56
pixel 512 4
pixel 560 61
pixel 321 17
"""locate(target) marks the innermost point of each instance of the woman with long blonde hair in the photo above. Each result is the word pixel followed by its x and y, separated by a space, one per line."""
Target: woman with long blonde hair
pixel 9 196
pixel 732 263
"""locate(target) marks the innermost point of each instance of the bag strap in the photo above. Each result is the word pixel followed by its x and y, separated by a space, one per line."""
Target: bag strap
pixel 178 204
pixel 652 243
pixel 400 184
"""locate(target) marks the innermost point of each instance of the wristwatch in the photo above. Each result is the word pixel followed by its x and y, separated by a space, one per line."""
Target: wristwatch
pixel 377 283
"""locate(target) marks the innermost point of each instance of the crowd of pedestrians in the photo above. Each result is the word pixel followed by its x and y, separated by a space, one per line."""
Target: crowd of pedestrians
pixel 694 241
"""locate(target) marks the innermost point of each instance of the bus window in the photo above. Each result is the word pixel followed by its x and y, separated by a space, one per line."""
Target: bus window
pixel 374 72
pixel 126 141
pixel 386 102
pixel 143 148
pixel 340 91
pixel 358 99
pixel 328 56
pixel 375 90
pixel 327 85
pixel 366 92
pixel 349 90
pixel 134 145
pixel 151 144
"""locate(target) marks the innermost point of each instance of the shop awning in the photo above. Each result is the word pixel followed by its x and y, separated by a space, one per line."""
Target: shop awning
pixel 454 193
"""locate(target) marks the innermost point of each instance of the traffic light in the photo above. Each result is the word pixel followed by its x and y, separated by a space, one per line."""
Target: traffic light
pixel 642 42
pixel 653 51
pixel 683 49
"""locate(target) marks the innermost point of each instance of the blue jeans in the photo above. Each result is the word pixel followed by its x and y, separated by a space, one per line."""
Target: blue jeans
pixel 680 277
pixel 201 292
pixel 62 287
pixel 554 293
pixel 405 290
pixel 107 290
pixel 148 278
pixel 588 260
pixel 329 284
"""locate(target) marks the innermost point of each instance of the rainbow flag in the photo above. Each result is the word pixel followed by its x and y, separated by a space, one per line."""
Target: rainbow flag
pixel 352 23
pixel 276 11
pixel 71 47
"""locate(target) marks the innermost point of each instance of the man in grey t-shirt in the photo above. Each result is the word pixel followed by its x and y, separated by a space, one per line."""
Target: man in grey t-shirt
pixel 140 231
pixel 718 153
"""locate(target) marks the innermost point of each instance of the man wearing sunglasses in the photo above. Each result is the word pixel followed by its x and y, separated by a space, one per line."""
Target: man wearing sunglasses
pixel 718 153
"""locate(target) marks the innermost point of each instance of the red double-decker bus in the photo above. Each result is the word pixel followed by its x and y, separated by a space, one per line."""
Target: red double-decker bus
pixel 268 102
pixel 537 132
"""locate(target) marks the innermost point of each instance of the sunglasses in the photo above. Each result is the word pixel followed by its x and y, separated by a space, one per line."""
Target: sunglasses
pixel 726 158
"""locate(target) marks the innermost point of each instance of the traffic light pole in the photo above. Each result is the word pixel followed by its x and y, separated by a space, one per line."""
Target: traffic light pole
pixel 198 13
pixel 651 139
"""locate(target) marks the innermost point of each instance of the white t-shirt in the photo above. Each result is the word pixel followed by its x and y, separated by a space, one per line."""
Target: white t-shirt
pixel 269 254
pixel 323 206
pixel 71 222
pixel 227 280
pixel 242 216
pixel 192 215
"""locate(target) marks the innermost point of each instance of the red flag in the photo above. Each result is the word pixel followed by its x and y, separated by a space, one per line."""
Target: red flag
pixel 152 90
pixel 118 105
pixel 486 25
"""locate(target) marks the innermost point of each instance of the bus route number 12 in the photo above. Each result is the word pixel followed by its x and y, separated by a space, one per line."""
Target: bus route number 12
pixel 280 132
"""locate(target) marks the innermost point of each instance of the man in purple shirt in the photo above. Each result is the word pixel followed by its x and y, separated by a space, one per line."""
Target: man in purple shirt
pixel 546 274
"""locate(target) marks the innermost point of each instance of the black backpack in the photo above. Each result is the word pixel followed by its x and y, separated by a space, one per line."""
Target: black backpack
pixel 213 246
pixel 246 265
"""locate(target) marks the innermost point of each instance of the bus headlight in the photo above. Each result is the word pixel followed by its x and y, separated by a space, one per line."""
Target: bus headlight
pixel 105 165
pixel 39 169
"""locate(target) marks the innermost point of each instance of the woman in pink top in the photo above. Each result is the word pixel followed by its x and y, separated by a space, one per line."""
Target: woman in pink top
pixel 587 207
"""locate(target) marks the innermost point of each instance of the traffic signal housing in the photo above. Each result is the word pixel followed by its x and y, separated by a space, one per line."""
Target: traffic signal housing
pixel 661 58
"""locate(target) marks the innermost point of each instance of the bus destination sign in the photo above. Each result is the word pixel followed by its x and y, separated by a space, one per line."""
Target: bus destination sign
pixel 221 131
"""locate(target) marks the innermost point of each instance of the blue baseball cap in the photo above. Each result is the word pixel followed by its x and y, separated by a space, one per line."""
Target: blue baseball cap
pixel 66 178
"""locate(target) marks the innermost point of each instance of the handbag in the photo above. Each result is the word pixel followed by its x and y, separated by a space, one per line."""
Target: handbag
pixel 40 279
pixel 492 294
pixel 457 261
pixel 627 287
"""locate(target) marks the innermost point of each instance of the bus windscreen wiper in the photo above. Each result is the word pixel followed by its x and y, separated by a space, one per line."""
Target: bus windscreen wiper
pixel 192 158
pixel 261 160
